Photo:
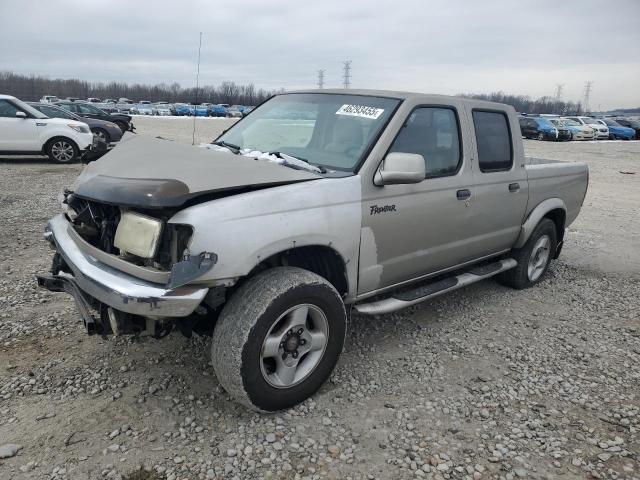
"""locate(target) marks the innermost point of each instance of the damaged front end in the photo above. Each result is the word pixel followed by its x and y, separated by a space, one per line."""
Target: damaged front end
pixel 128 270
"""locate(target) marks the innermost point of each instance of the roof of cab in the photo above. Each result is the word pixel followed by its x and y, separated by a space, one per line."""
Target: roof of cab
pixel 394 94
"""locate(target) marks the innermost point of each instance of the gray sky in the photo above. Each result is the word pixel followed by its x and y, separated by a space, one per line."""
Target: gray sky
pixel 429 46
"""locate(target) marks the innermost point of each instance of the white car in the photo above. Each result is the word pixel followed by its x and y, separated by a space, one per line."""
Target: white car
pixel 26 131
pixel 578 130
pixel 49 99
pixel 163 109
pixel 602 131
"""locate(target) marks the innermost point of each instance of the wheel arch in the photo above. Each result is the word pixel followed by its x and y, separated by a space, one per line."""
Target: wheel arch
pixel 47 142
pixel 322 260
pixel 552 208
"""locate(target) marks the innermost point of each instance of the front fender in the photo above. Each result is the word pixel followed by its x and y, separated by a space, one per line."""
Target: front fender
pixel 244 229
pixel 535 216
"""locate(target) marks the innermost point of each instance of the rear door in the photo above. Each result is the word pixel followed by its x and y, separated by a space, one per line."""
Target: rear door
pixel 17 134
pixel 500 181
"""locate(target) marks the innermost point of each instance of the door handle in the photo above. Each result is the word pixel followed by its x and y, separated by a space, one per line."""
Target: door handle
pixel 463 194
pixel 514 187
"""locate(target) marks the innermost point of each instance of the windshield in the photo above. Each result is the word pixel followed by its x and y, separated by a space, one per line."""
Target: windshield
pixel 611 123
pixel 329 130
pixel 571 123
pixel 557 123
pixel 53 112
pixel 591 121
pixel 28 109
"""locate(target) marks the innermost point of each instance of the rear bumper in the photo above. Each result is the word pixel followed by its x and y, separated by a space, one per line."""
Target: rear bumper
pixel 89 277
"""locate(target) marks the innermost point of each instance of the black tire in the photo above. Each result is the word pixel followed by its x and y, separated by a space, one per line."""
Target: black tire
pixel 123 126
pixel 102 135
pixel 62 150
pixel 540 136
pixel 249 317
pixel 519 277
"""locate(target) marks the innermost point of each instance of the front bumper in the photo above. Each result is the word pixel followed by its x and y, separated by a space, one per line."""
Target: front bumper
pixel 88 277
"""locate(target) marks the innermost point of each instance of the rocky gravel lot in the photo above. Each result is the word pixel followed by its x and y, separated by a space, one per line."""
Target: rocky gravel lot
pixel 484 383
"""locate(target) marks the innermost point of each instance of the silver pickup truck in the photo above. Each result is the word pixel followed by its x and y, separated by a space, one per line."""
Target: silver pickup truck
pixel 315 201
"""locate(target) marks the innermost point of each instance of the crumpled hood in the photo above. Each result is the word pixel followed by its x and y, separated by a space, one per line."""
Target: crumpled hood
pixel 153 173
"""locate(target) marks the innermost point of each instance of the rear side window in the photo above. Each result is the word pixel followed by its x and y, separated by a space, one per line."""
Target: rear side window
pixel 494 141
pixel 433 133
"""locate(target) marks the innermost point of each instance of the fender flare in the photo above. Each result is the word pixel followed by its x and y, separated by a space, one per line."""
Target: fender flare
pixel 535 216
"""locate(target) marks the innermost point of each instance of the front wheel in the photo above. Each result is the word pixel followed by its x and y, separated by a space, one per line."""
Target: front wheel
pixel 533 258
pixel 278 338
pixel 62 150
pixel 540 136
pixel 101 135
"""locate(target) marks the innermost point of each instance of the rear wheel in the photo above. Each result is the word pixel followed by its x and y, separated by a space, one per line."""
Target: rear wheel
pixel 62 150
pixel 533 258
pixel 278 338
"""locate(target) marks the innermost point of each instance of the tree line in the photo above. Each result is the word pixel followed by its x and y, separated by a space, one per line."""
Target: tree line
pixel 31 88
pixel 525 104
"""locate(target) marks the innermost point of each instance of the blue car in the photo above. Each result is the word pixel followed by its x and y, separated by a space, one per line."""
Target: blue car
pixel 617 131
pixel 541 128
pixel 181 109
pixel 198 110
pixel 217 111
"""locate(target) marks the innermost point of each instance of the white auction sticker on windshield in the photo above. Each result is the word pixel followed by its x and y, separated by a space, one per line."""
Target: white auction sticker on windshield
pixel 360 111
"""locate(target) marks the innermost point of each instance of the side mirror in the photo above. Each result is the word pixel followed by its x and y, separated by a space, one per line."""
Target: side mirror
pixel 401 168
pixel 21 115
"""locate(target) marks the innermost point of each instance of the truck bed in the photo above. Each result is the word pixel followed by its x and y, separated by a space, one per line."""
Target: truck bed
pixel 557 179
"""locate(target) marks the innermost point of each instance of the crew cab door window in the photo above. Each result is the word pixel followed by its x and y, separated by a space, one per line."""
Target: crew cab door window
pixel 432 132
pixel 493 139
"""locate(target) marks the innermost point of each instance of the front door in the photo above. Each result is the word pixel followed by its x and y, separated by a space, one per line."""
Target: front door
pixel 17 134
pixel 416 229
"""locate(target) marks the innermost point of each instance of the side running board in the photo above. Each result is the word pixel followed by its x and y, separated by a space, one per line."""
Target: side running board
pixel 407 298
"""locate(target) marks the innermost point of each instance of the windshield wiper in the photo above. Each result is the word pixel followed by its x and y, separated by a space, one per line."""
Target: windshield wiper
pixel 279 155
pixel 234 148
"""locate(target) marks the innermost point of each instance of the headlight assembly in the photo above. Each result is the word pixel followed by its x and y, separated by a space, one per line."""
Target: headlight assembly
pixel 138 234
pixel 78 128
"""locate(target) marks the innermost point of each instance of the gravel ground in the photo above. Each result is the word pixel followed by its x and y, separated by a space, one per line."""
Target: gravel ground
pixel 484 383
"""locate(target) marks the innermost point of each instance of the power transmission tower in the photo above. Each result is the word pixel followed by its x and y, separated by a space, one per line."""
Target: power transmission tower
pixel 587 93
pixel 320 79
pixel 346 66
pixel 559 88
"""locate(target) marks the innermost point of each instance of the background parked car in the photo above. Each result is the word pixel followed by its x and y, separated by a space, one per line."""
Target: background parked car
pixel 94 100
pixel 234 111
pixel 181 109
pixel 198 110
pixel 49 99
pixel 26 131
pixel 578 131
pixel 145 109
pixel 630 123
pixel 602 131
pixel 617 131
pixel 217 111
pixel 107 132
pixel 541 128
pixel 162 109
pixel 87 110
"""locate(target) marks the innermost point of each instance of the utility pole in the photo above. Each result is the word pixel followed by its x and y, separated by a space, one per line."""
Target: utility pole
pixel 559 88
pixel 346 66
pixel 587 93
pixel 320 79
pixel 193 136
